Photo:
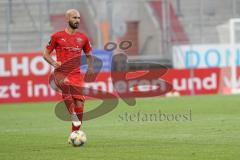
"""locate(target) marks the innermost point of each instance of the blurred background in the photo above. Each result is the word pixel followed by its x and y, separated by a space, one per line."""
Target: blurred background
pixel 180 34
pixel 154 26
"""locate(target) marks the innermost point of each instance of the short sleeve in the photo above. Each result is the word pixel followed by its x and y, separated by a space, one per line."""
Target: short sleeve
pixel 87 47
pixel 52 43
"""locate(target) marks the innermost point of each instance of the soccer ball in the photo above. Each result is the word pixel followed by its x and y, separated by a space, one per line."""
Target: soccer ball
pixel 78 138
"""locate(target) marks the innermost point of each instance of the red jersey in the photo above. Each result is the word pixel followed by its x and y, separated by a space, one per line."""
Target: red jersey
pixel 69 46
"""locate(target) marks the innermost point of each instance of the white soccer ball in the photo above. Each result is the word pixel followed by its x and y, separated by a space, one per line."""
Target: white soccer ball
pixel 78 138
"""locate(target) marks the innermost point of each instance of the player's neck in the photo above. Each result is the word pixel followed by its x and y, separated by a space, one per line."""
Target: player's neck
pixel 70 30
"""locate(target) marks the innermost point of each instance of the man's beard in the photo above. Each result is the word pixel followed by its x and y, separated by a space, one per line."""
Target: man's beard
pixel 73 25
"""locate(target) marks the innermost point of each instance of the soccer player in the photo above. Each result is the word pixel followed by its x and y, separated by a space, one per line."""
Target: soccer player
pixel 68 45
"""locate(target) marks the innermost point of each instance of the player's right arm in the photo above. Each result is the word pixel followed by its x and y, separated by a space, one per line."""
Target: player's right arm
pixel 49 59
pixel 47 51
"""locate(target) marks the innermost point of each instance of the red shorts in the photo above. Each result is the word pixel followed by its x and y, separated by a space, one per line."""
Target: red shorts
pixel 71 86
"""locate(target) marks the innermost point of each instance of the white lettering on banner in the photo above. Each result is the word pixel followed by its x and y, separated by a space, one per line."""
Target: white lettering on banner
pixel 14 90
pixel 21 66
pixel 204 56
pixel 132 83
pixel 3 92
pixel 144 86
pixel 24 65
pixel 125 86
pixel 95 86
pixel 29 89
pixel 36 71
pixel 10 91
pixel 159 83
pixel 38 90
pixel 3 71
pixel 208 83
pixel 110 85
pixel 33 88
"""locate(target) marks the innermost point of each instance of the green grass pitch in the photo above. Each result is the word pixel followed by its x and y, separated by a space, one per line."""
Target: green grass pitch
pixel 32 131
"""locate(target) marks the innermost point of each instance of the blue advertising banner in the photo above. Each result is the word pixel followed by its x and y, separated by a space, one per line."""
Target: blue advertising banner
pixel 104 56
pixel 205 56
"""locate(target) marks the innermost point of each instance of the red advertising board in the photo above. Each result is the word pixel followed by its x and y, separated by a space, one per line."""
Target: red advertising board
pixel 24 78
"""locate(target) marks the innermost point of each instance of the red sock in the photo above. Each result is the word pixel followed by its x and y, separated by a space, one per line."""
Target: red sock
pixel 75 128
pixel 74 110
pixel 79 112
pixel 70 107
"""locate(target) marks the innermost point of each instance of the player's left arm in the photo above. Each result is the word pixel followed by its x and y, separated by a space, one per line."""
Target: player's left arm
pixel 90 74
pixel 90 63
pixel 87 48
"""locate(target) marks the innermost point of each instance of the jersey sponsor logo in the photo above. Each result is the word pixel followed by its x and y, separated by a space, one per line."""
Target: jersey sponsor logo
pixel 72 49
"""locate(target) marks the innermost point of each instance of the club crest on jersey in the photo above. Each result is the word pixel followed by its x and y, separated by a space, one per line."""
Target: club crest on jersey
pixel 79 40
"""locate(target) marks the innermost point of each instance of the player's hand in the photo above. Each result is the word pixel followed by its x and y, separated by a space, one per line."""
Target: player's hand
pixel 90 75
pixel 57 65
